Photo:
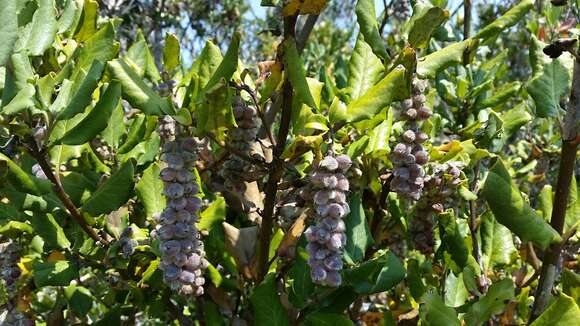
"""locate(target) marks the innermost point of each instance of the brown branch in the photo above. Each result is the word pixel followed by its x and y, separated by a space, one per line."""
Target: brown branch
pixel 473 227
pixel 466 19
pixel 277 165
pixel 40 157
pixel 567 165
pixel 305 32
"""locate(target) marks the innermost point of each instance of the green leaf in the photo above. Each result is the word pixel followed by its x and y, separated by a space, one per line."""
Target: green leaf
pixel 509 19
pixel 571 284
pixel 228 65
pixel 140 59
pixel 101 46
pixel 364 69
pixel 96 120
pixel 51 232
pixel 376 275
pixel 171 52
pixel 326 319
pixel 369 28
pixel 23 181
pixel 213 215
pixel 501 95
pixel 77 186
pixel 492 303
pixel 434 312
pixel 113 193
pixel 304 120
pixel 378 144
pixel 550 82
pixel 135 91
pixel 425 20
pixel 115 127
pixel 79 299
pixel 58 273
pixel 573 207
pixel 14 228
pixel 206 63
pixel 497 245
pixel 42 29
pixel 136 134
pixel 84 92
pixel 70 16
pixel 452 240
pixel 300 286
pixel 268 309
pixel 392 87
pixel 510 209
pixel 562 312
pixel 514 119
pixel 8 29
pixel 358 234
pixel 294 68
pixel 215 113
pixel 23 100
pixel 89 21
pixel 429 65
pixel 150 191
pixel 456 293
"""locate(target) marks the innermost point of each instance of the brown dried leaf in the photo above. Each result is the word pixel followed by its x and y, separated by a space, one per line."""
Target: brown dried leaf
pixel 288 245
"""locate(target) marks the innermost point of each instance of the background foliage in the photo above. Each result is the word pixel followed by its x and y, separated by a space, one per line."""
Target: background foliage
pixel 84 84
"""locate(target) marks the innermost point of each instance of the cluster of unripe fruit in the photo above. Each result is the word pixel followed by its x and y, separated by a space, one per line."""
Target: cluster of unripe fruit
pixel 409 156
pixel 440 186
pixel 236 170
pixel 182 260
pixel 326 239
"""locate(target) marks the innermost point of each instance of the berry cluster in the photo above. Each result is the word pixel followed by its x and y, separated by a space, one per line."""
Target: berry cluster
pixel 9 257
pixel 326 239
pixel 236 170
pixel 127 243
pixel 409 156
pixel 182 251
pixel 9 274
pixel 440 186
pixel 102 149
pixel 166 128
pixel 37 172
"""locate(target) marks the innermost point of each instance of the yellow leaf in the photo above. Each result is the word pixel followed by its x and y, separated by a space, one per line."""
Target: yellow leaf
pixel 55 256
pixel 303 7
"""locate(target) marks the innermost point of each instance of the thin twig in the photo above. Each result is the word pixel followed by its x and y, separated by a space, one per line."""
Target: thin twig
pixel 305 32
pixel 557 221
pixel 277 165
pixel 40 157
pixel 473 227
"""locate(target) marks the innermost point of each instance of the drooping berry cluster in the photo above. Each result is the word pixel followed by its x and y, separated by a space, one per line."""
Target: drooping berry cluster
pixel 440 186
pixel 9 257
pixel 9 274
pixel 401 9
pixel 127 243
pixel 327 237
pixel 236 170
pixel 409 156
pixel 166 128
pixel 102 149
pixel 182 260
pixel 37 172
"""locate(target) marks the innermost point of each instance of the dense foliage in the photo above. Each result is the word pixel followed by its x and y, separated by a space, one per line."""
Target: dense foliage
pixel 415 166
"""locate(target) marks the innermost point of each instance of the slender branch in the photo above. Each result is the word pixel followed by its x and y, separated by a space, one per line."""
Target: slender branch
pixel 277 165
pixel 473 227
pixel 466 19
pixel 305 32
pixel 567 165
pixel 40 157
